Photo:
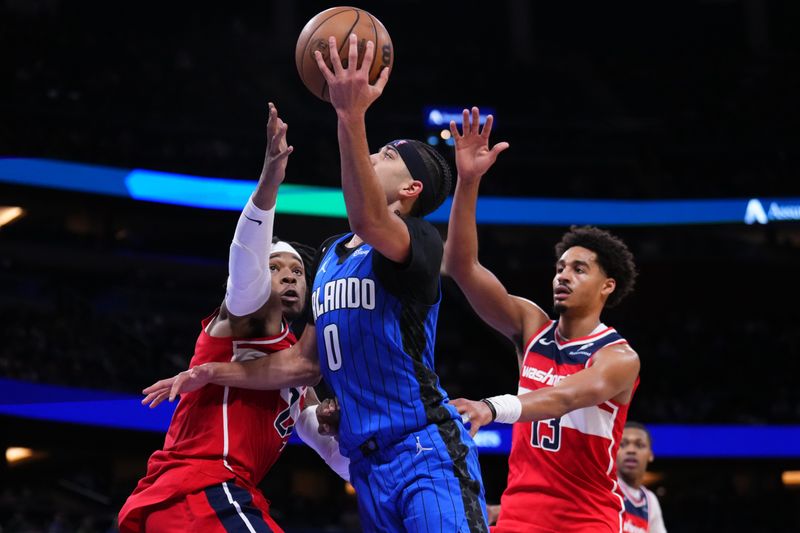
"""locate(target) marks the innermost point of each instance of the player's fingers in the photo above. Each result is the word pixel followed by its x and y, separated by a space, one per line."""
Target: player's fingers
pixel 152 397
pixel 275 135
pixel 352 53
pixel 279 138
pixel 323 68
pixel 175 390
pixel 454 131
pixel 499 147
pixel 382 80
pixel 473 429
pixel 476 120
pixel 272 120
pixel 487 126
pixel 333 52
pixel 149 398
pixel 369 53
pixel 160 397
pixel 464 121
pixel 160 384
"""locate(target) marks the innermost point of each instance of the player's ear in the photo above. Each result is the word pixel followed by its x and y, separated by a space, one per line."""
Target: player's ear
pixel 608 286
pixel 411 189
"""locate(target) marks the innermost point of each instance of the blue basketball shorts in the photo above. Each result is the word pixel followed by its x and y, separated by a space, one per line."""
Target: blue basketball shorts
pixel 429 482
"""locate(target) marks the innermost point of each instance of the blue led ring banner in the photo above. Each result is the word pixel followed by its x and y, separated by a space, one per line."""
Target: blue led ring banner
pixel 125 411
pixel 232 194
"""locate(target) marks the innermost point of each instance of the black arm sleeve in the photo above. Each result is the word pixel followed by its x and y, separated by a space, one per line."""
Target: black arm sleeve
pixel 418 277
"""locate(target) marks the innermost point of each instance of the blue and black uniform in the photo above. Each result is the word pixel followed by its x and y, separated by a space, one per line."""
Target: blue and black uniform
pixel 412 462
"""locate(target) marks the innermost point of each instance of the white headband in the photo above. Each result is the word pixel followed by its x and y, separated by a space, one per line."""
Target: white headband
pixel 285 247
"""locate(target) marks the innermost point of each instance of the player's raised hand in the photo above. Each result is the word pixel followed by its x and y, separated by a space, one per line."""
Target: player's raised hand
pixel 277 153
pixel 473 155
pixel 477 414
pixel 349 89
pixel 187 381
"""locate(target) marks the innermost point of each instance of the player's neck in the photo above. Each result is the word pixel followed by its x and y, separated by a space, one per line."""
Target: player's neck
pixel 572 327
pixel 633 482
pixel 354 241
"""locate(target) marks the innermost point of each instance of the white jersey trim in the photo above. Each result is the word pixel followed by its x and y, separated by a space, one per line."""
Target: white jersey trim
pixel 225 428
pixel 247 353
pixel 597 333
pixel 592 421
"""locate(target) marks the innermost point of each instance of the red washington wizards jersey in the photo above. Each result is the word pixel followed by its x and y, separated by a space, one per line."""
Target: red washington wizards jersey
pixel 218 433
pixel 561 472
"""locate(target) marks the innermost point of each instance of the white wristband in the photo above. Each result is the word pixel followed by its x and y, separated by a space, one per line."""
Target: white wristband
pixel 307 427
pixel 249 280
pixel 508 408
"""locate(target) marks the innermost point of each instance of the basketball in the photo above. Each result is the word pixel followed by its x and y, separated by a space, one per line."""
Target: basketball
pixel 340 22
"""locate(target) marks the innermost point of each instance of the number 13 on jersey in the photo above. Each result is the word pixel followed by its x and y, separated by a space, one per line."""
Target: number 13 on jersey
pixel 546 434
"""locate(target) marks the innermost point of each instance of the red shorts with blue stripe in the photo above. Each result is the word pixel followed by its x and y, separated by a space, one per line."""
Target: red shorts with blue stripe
pixel 222 508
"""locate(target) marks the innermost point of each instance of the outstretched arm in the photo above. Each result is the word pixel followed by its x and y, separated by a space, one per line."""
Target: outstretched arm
pixel 295 366
pixel 351 95
pixel 611 376
pixel 249 284
pixel 514 317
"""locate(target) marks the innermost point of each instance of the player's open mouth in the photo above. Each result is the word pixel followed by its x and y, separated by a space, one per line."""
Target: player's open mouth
pixel 290 296
pixel 630 462
pixel 561 292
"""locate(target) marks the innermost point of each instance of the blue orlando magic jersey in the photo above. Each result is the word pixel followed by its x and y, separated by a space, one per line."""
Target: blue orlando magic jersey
pixel 376 347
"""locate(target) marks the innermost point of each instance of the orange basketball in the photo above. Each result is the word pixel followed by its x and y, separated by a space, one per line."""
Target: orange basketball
pixel 340 22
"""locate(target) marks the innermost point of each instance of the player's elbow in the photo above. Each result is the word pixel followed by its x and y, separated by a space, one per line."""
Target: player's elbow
pixel 449 264
pixel 461 269
pixel 454 268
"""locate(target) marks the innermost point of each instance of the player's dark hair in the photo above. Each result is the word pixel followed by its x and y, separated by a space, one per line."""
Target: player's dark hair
pixel 613 256
pixel 439 175
pixel 638 425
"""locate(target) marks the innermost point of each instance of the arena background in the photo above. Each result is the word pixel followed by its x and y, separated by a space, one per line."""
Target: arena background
pixel 631 101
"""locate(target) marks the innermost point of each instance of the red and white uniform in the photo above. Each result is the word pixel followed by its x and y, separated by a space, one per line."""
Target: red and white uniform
pixel 642 510
pixel 219 434
pixel 562 472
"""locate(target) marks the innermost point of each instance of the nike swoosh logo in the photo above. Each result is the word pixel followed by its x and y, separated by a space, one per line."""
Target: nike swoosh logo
pixel 252 219
pixel 545 342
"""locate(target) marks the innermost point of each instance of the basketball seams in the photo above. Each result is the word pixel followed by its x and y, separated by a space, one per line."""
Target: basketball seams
pixel 310 41
pixel 337 18
pixel 346 39
pixel 374 41
pixel 346 42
